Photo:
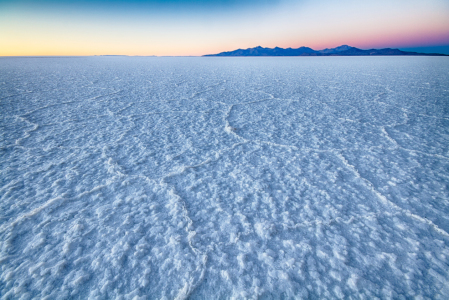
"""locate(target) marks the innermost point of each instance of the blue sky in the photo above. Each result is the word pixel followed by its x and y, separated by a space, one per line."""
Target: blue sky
pixel 194 27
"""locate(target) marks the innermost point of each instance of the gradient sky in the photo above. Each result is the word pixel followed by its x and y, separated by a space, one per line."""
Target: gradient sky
pixel 197 27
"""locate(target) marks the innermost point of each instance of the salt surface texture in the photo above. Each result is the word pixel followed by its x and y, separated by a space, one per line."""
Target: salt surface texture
pixel 168 178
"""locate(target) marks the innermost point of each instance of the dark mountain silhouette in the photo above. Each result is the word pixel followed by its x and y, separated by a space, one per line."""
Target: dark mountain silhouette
pixel 343 50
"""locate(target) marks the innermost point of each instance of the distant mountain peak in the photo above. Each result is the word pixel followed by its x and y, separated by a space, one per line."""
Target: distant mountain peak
pixel 343 50
pixel 336 49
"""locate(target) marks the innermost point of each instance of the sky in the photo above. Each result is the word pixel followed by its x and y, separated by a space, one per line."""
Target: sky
pixel 198 27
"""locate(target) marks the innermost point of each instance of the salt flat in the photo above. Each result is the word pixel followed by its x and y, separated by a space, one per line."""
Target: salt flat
pixel 217 178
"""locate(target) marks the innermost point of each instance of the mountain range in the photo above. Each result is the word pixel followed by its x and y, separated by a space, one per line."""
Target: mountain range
pixel 343 50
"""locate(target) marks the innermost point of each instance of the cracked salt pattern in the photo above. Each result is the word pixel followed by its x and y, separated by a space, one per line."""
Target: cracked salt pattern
pixel 202 178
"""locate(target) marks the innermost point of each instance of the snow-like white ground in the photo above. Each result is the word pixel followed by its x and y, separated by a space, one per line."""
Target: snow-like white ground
pixel 217 178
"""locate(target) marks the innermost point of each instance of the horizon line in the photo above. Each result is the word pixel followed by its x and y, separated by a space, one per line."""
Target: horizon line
pixel 201 55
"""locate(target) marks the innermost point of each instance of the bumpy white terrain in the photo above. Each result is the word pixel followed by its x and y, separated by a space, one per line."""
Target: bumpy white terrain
pixel 216 178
